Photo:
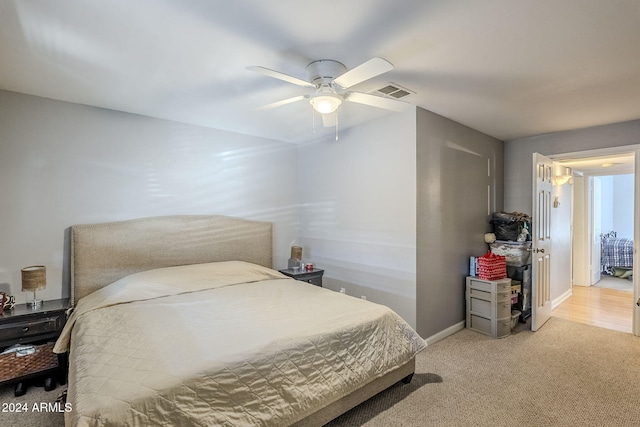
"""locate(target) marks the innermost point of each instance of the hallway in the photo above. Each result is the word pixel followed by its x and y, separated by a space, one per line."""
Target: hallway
pixel 598 306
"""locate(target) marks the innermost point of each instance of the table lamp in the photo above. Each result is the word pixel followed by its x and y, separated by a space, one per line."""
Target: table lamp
pixel 296 257
pixel 34 278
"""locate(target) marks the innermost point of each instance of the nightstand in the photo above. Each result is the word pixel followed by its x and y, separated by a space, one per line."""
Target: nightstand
pixel 314 276
pixel 40 327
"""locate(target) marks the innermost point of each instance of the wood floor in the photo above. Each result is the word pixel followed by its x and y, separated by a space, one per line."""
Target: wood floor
pixel 606 308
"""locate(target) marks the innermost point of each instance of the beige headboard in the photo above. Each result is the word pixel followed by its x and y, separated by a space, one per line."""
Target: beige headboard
pixel 104 253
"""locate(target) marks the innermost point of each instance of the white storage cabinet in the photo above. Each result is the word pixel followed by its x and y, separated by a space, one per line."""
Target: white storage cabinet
pixel 489 306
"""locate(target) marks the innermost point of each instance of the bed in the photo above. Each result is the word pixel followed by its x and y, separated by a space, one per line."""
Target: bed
pixel 181 321
pixel 617 254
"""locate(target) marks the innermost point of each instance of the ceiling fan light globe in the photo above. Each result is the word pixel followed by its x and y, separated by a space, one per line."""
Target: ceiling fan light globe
pixel 325 104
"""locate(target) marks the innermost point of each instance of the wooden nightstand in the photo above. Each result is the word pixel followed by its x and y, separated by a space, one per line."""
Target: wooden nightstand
pixel 39 326
pixel 314 276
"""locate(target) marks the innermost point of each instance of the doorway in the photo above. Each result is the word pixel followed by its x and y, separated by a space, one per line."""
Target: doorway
pixel 604 189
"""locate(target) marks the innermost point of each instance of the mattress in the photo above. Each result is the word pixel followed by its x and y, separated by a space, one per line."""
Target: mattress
pixel 227 344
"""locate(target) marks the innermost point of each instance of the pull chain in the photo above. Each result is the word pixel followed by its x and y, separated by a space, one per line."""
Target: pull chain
pixel 313 121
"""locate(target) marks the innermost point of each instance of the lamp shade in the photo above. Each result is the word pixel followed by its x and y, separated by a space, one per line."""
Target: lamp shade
pixel 325 104
pixel 563 177
pixel 34 278
pixel 296 252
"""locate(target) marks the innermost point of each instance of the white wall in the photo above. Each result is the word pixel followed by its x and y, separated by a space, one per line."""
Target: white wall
pixel 606 205
pixel 358 210
pixel 351 203
pixel 63 164
pixel 622 205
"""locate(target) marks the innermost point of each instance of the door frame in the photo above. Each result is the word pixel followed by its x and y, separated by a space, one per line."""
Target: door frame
pixel 635 149
pixel 594 201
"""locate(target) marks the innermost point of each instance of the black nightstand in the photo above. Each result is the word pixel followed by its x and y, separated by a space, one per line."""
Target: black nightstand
pixel 314 276
pixel 39 326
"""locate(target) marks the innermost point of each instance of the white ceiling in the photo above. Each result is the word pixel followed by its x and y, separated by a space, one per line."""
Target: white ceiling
pixel 507 68
pixel 611 164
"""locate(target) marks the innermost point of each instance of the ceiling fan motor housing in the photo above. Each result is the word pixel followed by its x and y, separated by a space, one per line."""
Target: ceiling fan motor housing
pixel 324 71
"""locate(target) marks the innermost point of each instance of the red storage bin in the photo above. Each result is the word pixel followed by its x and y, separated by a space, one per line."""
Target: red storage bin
pixel 492 266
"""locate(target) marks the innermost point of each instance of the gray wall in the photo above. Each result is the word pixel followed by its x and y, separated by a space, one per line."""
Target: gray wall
pixel 459 184
pixel 63 164
pixel 519 186
pixel 518 155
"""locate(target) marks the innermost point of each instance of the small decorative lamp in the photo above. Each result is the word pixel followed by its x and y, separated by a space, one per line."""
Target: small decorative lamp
pixel 564 177
pixel 296 257
pixel 34 278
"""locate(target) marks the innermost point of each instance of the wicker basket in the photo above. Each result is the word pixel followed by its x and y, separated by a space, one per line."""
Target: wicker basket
pixel 13 367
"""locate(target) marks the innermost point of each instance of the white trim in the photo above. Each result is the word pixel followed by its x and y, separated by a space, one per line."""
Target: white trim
pixel 562 298
pixel 602 152
pixel 635 326
pixel 583 154
pixel 445 333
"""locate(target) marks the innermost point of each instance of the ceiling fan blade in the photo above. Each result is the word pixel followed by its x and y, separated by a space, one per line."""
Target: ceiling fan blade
pixel 371 68
pixel 377 101
pixel 329 120
pixel 283 102
pixel 280 76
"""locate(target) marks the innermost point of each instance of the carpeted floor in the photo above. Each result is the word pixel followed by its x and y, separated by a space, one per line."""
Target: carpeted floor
pixel 27 410
pixel 566 374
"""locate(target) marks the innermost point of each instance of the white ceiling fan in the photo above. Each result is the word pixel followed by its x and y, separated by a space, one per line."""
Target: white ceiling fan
pixel 330 80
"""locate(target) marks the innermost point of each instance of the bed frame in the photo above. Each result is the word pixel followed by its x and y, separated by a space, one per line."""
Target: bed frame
pixel 104 253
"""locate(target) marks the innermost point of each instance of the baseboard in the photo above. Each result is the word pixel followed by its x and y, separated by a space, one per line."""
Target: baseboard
pixel 445 333
pixel 562 298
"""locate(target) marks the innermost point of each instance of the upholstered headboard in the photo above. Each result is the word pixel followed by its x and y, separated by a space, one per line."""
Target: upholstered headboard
pixel 104 253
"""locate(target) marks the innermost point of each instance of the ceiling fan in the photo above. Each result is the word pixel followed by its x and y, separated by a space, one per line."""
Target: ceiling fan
pixel 330 80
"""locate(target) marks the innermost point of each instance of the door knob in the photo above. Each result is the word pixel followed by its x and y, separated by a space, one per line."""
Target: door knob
pixel 539 250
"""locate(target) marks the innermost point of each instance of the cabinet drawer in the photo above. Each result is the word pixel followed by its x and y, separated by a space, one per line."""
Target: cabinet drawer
pixel 503 309
pixel 489 296
pixel 502 285
pixel 480 306
pixel 474 292
pixel 480 324
pixel 315 281
pixel 496 328
pixel 31 328
pixel 503 297
pixel 503 327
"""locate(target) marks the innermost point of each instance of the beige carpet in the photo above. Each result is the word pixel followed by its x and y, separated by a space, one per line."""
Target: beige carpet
pixel 566 374
pixel 20 411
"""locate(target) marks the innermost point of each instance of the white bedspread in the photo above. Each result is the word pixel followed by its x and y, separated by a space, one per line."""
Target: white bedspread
pixel 229 344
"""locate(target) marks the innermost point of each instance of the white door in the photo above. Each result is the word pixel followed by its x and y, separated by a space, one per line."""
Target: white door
pixel 541 241
pixel 596 228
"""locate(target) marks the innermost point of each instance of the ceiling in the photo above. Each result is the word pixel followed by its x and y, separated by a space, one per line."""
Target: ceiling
pixel 611 164
pixel 507 68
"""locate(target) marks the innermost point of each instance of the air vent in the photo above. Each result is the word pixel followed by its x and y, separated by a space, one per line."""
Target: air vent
pixel 392 90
